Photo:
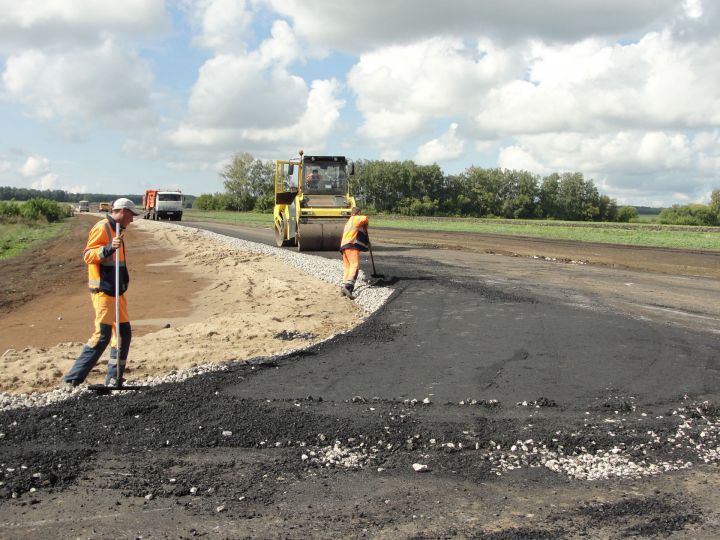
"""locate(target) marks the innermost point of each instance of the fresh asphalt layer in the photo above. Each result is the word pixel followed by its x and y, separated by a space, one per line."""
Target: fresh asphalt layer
pixel 532 415
pixel 448 336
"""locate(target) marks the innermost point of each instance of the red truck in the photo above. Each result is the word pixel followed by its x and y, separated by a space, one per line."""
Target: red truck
pixel 159 204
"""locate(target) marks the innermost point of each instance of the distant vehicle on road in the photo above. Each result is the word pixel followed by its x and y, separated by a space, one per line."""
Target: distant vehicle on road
pixel 84 206
pixel 105 207
pixel 163 204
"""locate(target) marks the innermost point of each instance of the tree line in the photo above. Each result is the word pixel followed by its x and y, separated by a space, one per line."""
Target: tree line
pixel 693 214
pixel 59 195
pixel 423 190
pixel 409 189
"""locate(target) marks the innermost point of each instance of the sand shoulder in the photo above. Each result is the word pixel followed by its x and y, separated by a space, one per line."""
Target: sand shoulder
pixel 192 301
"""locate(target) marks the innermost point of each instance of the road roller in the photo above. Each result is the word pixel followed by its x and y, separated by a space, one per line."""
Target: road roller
pixel 312 201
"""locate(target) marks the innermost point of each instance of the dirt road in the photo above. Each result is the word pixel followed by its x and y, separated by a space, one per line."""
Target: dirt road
pixel 494 397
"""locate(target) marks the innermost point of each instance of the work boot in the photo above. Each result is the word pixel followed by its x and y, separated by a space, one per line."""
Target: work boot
pixel 347 291
pixel 69 386
pixel 113 382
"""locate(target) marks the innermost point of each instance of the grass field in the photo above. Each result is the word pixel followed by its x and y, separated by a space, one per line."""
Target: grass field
pixel 243 218
pixel 636 234
pixel 18 237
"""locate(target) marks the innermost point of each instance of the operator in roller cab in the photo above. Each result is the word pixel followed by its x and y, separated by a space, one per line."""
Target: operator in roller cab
pixel 313 179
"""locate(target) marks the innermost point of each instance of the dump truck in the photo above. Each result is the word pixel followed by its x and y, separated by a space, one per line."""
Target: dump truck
pixel 312 201
pixel 158 204
pixel 84 206
pixel 105 207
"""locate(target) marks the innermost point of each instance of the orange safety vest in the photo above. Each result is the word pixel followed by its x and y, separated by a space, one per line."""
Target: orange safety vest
pixel 100 258
pixel 355 234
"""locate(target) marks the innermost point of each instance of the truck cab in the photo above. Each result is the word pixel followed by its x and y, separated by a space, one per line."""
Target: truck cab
pixel 163 204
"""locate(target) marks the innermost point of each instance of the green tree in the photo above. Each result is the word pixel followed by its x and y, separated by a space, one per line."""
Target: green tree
pixel 691 214
pixel 453 197
pixel 410 206
pixel 715 202
pixel 383 185
pixel 246 179
pixel 222 201
pixel 204 202
pixel 608 209
pixel 548 197
pixel 520 194
pixel 35 209
pixel 486 189
pixel 577 199
pixel 626 214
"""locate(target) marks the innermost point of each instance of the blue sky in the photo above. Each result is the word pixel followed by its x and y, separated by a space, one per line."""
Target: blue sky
pixel 118 97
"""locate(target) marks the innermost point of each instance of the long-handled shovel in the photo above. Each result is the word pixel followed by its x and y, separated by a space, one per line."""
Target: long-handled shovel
pixel 101 388
pixel 374 275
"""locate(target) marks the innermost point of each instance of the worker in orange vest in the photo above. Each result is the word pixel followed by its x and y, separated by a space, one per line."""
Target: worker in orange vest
pixel 103 246
pixel 354 240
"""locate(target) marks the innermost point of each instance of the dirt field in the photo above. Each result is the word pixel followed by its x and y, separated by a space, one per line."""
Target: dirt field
pixel 656 260
pixel 191 302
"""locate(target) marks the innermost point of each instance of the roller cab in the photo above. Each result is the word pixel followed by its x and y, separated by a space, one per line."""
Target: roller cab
pixel 312 201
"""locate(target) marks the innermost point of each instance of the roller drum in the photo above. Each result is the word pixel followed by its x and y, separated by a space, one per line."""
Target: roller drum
pixel 320 235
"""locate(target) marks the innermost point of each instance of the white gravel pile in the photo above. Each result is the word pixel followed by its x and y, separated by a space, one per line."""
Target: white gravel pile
pixel 339 455
pixel 370 299
pixel 583 465
pixel 696 436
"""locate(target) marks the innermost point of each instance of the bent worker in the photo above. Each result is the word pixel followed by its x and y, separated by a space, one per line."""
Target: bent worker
pixel 354 240
pixel 103 247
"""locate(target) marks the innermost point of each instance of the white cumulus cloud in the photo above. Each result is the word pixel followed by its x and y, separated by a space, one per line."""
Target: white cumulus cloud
pixel 45 23
pixel 46 181
pixel 102 83
pixel 35 166
pixel 254 101
pixel 319 114
pixel 239 91
pixel 659 82
pixel 400 88
pixel 515 157
pixel 693 8
pixel 361 26
pixel 448 146
pixel 224 25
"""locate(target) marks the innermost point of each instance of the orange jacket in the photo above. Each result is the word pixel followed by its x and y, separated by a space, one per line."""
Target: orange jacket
pixel 100 258
pixel 355 235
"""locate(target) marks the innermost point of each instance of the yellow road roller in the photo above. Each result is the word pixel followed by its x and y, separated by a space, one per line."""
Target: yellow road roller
pixel 312 201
